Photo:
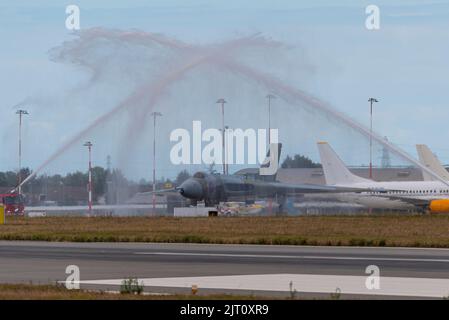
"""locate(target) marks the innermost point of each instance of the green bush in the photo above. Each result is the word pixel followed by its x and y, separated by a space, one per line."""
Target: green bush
pixel 131 286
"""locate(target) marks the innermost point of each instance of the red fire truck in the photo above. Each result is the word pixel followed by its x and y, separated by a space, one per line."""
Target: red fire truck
pixel 13 202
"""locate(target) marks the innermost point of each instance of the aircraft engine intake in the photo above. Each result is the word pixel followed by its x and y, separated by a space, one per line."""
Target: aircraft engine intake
pixel 439 206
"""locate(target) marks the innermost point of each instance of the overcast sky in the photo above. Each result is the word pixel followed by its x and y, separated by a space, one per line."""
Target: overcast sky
pixel 330 55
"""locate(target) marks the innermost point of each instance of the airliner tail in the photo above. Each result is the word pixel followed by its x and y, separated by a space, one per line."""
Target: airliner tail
pixel 335 171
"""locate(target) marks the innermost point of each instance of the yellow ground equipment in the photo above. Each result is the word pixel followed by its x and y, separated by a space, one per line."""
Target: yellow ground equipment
pixel 2 214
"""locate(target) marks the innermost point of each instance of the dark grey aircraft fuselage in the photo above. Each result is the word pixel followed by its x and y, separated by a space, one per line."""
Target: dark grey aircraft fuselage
pixel 215 188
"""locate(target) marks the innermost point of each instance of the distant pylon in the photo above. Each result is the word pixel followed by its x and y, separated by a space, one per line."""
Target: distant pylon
pixel 108 164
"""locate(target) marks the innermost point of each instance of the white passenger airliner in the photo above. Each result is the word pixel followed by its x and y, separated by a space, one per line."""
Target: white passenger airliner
pixel 432 196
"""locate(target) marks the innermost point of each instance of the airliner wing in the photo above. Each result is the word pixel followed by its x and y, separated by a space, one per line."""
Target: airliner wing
pixel 313 188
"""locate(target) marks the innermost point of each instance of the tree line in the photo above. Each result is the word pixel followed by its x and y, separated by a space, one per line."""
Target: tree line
pixel 108 180
pixel 112 182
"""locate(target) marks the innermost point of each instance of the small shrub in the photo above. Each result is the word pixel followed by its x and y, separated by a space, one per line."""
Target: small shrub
pixel 336 295
pixel 131 286
pixel 292 291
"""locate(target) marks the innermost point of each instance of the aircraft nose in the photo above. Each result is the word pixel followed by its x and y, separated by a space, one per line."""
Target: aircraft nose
pixel 191 189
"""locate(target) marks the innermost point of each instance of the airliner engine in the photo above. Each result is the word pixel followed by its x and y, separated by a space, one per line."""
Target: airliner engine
pixel 439 206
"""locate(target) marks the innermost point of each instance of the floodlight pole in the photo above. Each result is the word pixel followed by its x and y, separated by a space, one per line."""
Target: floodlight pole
pixel 269 97
pixel 19 175
pixel 226 148
pixel 89 145
pixel 222 102
pixel 154 115
pixel 371 100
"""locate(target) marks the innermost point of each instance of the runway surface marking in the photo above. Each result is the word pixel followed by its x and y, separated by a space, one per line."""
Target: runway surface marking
pixel 389 286
pixel 289 256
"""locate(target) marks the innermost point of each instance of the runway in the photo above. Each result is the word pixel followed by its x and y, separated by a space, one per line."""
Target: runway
pixel 231 268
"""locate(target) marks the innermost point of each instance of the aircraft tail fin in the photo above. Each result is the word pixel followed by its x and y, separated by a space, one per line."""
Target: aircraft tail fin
pixel 335 171
pixel 268 169
pixel 427 158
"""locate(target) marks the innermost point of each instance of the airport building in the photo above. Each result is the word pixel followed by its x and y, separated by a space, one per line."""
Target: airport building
pixel 316 175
